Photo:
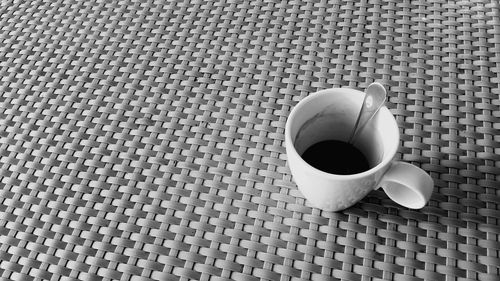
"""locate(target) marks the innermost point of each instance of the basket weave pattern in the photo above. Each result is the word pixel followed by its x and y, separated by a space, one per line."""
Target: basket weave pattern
pixel 145 139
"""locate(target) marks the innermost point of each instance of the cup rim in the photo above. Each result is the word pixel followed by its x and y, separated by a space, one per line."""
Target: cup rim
pixel 388 155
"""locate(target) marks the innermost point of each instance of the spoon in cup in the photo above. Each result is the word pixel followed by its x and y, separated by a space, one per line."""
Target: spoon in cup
pixel 374 99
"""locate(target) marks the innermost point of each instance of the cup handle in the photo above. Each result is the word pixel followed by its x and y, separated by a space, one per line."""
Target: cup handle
pixel 407 185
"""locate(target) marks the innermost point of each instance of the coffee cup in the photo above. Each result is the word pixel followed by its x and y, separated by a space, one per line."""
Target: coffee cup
pixel 330 115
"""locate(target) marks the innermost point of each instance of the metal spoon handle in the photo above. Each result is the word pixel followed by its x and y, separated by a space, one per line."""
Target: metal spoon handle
pixel 374 99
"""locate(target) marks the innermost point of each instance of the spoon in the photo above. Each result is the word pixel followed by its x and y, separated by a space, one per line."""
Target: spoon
pixel 374 99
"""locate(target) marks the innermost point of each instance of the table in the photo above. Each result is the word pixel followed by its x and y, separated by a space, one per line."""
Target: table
pixel 145 139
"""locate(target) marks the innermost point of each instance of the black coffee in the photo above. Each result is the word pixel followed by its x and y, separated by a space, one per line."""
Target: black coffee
pixel 336 157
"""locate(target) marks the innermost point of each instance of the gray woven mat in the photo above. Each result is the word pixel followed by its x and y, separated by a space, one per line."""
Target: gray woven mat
pixel 145 139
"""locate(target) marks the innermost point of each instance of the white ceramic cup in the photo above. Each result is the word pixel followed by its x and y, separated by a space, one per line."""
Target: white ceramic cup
pixel 331 115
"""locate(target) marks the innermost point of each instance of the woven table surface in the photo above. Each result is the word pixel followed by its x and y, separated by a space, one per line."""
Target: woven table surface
pixel 145 140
